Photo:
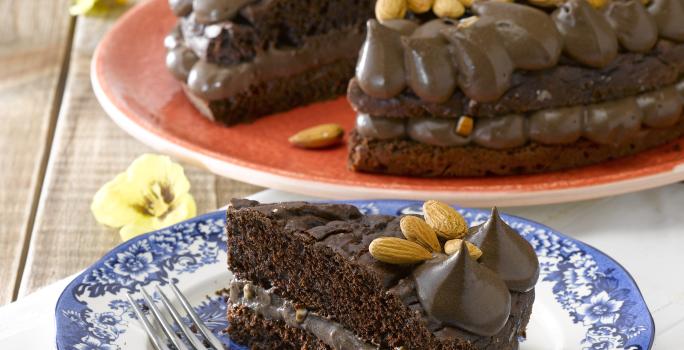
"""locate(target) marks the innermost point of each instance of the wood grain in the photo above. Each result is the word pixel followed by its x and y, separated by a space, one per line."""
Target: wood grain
pixel 34 41
pixel 88 150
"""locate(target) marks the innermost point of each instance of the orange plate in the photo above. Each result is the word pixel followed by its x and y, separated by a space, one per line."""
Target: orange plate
pixel 131 82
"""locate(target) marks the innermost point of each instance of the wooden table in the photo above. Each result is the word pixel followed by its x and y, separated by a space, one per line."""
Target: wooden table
pixel 57 147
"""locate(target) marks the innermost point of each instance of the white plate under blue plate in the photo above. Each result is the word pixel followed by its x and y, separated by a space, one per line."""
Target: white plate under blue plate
pixel 585 300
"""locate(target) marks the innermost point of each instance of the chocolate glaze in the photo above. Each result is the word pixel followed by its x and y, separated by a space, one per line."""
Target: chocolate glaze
pixel 457 291
pixel 380 71
pixel 484 66
pixel 635 27
pixel 501 132
pixel 380 128
pixel 613 122
pixel 669 15
pixel 403 26
pixel 212 11
pixel 180 61
pixel 270 306
pixel 435 131
pixel 214 82
pixel 429 71
pixel 506 253
pixel 557 126
pixel 181 8
pixel 662 108
pixel 588 36
pixel 529 35
pixel 432 29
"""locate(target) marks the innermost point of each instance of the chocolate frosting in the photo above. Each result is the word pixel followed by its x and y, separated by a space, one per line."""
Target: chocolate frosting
pixel 180 61
pixel 458 291
pixel 529 35
pixel 680 89
pixel 661 108
pixel 403 26
pixel 557 126
pixel 432 29
pixel 669 15
pixel 380 70
pixel 613 122
pixel 435 131
pixel 181 8
pixel 429 71
pixel 484 66
pixel 380 128
pixel 212 11
pixel 501 132
pixel 589 38
pixel 506 253
pixel 635 27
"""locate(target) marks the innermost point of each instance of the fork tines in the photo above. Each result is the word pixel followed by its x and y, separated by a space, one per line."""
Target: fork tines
pixel 159 342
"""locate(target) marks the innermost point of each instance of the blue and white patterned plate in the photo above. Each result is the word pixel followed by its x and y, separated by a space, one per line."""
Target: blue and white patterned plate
pixel 585 300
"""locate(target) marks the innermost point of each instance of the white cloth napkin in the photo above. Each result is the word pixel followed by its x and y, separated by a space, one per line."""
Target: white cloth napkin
pixel 644 231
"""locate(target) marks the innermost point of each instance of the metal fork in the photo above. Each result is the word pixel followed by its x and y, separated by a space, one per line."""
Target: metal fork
pixel 157 341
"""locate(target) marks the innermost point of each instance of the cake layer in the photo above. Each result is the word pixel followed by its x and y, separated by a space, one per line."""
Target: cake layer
pixel 610 123
pixel 411 158
pixel 562 86
pixel 316 256
pixel 238 34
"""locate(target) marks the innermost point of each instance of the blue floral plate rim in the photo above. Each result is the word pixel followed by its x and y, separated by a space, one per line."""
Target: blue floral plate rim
pixel 602 296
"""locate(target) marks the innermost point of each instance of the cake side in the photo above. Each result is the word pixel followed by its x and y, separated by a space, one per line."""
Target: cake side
pixel 317 257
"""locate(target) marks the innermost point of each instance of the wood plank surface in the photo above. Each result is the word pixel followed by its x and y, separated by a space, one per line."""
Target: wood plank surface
pixel 34 41
pixel 88 150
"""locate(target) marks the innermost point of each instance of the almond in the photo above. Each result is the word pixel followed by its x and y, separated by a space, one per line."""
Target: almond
pixel 324 135
pixel 445 220
pixel 390 9
pixel 417 230
pixel 448 8
pixel 454 245
pixel 546 3
pixel 420 6
pixel 394 250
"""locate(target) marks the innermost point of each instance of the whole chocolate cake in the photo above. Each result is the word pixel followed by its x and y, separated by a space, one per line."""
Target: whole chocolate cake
pixel 508 88
pixel 241 59
pixel 324 276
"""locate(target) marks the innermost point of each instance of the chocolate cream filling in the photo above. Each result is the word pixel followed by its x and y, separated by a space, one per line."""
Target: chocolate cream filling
pixel 610 122
pixel 211 81
pixel 272 307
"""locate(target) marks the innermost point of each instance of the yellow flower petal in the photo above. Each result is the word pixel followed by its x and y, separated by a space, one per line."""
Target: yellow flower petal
pixel 183 209
pixel 80 7
pixel 115 203
pixel 149 168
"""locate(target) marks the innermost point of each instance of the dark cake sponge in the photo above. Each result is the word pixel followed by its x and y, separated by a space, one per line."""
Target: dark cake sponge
pixel 316 255
pixel 412 158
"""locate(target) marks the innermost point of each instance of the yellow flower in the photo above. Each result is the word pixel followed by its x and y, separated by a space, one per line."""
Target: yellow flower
pixel 93 7
pixel 153 193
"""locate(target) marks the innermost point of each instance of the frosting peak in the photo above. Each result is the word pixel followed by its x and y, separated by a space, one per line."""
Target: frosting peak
pixel 380 70
pixel 506 253
pixel 636 29
pixel 457 291
pixel 589 38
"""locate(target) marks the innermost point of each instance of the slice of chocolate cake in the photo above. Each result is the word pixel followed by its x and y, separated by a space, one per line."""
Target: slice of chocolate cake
pixel 241 59
pixel 508 88
pixel 324 276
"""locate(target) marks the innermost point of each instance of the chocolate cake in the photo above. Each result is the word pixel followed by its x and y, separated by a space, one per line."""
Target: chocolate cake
pixel 241 59
pixel 325 276
pixel 508 88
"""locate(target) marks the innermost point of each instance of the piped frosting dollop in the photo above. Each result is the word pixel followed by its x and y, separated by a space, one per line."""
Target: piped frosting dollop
pixel 429 71
pixel 506 253
pixel 380 70
pixel 635 27
pixel 458 291
pixel 212 11
pixel 589 38
pixel 669 15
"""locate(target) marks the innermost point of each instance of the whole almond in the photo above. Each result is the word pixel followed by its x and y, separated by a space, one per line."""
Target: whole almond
pixel 448 8
pixel 546 3
pixel 445 220
pixel 321 136
pixel 390 9
pixel 454 245
pixel 420 6
pixel 417 230
pixel 399 251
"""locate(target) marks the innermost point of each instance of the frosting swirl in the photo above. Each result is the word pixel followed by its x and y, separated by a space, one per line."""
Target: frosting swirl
pixel 612 122
pixel 669 15
pixel 380 70
pixel 429 71
pixel 636 29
